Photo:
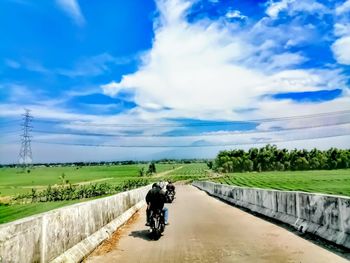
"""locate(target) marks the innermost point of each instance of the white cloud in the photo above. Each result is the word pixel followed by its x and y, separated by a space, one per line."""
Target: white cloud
pixel 341 47
pixel 285 60
pixel 91 66
pixel 35 66
pixel 111 89
pixel 293 7
pixel 344 8
pixel 284 35
pixel 235 14
pixel 203 70
pixel 72 8
pixel 140 119
pixel 84 66
pixel 341 29
pixel 18 92
pixel 211 71
pixel 341 50
pixel 309 6
pixel 12 63
pixel 274 8
pixel 199 68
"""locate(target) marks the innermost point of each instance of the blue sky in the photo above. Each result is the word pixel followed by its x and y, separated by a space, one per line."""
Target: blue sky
pixel 214 73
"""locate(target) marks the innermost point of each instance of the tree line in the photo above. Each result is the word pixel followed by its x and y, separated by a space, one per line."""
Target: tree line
pixel 270 158
pixel 107 163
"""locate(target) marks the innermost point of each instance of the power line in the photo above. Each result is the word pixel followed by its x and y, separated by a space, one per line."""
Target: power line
pixel 9 142
pixel 187 135
pixel 190 146
pixel 193 123
pixel 3 122
pixel 13 132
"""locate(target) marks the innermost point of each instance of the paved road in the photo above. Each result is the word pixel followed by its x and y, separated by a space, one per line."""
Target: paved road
pixel 204 229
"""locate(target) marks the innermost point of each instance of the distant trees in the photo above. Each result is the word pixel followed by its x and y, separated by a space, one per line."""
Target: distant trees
pixel 152 168
pixel 210 164
pixel 270 158
pixel 63 179
pixel 142 171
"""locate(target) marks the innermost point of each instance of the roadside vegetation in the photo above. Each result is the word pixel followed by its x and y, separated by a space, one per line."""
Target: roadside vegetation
pixel 15 181
pixel 42 188
pixel 45 187
pixel 335 182
pixel 24 193
pixel 54 197
pixel 270 158
pixel 71 192
pixel 281 169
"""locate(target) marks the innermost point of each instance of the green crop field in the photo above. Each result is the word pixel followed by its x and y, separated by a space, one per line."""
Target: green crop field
pixel 190 171
pixel 12 212
pixel 14 181
pixel 166 167
pixel 321 181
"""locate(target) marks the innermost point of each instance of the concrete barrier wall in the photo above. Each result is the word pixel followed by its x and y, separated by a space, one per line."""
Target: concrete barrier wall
pixel 326 216
pixel 43 237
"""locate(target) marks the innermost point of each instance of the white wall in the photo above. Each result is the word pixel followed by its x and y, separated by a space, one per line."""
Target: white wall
pixel 43 237
pixel 326 216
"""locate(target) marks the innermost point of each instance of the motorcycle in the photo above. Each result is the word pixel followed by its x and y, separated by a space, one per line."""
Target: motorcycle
pixel 157 224
pixel 170 196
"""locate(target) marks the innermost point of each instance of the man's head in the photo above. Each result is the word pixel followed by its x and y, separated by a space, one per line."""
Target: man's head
pixel 156 185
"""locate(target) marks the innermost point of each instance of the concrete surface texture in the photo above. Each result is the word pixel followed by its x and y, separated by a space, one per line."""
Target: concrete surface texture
pixel 323 215
pixel 205 229
pixel 43 237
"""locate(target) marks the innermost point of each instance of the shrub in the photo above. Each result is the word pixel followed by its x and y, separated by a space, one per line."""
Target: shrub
pixel 72 192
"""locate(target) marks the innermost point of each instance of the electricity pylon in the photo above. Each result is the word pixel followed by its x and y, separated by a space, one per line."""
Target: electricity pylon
pixel 25 153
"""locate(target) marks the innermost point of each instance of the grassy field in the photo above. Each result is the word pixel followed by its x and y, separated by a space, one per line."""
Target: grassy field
pixel 12 212
pixel 15 181
pixel 326 181
pixel 192 171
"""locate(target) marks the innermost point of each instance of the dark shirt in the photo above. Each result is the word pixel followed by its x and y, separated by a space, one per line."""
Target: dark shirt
pixel 156 197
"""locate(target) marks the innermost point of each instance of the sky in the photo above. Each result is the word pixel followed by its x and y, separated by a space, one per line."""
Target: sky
pixel 151 79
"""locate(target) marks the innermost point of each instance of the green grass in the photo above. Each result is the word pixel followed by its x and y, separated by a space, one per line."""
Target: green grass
pixel 190 171
pixel 13 212
pixel 165 167
pixel 326 181
pixel 14 181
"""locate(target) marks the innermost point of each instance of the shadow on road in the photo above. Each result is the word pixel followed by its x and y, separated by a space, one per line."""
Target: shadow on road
pixel 143 234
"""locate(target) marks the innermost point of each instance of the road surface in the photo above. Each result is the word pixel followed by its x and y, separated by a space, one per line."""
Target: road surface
pixel 204 229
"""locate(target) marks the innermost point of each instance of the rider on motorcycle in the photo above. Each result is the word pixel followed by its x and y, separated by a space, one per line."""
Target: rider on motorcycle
pixel 155 199
pixel 170 187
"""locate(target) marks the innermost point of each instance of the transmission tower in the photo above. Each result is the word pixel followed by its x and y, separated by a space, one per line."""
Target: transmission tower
pixel 25 154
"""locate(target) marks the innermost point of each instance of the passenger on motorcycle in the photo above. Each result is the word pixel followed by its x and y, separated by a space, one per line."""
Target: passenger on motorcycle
pixel 155 199
pixel 170 187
